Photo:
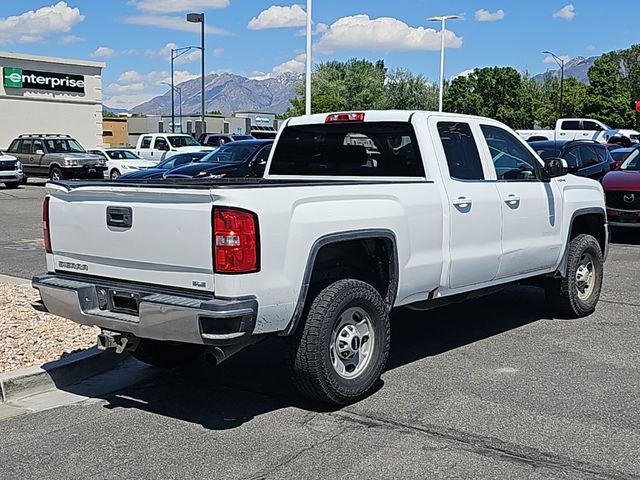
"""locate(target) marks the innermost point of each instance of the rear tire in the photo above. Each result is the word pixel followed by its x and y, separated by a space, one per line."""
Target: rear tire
pixel 338 355
pixel 577 293
pixel 114 174
pixel 167 354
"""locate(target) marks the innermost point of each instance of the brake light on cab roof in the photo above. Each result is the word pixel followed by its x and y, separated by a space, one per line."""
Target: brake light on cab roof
pixel 345 117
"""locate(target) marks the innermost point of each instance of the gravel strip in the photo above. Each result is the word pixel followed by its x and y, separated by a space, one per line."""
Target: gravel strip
pixel 29 337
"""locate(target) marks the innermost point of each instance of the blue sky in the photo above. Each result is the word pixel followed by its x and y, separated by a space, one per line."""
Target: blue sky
pixel 255 39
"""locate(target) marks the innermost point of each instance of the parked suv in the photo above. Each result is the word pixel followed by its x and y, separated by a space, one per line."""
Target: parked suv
pixel 10 171
pixel 56 156
pixel 585 158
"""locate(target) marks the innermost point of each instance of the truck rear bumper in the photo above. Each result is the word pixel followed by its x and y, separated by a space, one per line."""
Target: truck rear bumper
pixel 133 308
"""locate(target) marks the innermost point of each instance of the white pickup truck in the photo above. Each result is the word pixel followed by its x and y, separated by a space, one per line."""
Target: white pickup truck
pixel 583 129
pixel 158 146
pixel 433 208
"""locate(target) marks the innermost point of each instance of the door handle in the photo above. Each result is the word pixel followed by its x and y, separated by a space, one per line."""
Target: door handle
pixel 512 200
pixel 463 204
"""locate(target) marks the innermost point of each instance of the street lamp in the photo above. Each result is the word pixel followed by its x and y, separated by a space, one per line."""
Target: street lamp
pixel 443 30
pixel 199 18
pixel 175 53
pixel 307 89
pixel 179 90
pixel 560 62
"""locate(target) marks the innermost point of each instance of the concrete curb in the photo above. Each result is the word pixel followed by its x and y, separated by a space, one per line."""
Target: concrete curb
pixel 21 282
pixel 66 371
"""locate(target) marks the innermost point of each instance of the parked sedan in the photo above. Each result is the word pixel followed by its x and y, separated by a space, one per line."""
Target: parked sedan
pixel 121 161
pixel 620 155
pixel 585 158
pixel 245 158
pixel 622 189
pixel 158 170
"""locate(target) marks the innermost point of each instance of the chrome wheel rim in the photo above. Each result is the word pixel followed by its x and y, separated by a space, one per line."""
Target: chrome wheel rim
pixel 585 276
pixel 115 174
pixel 352 343
pixel 55 175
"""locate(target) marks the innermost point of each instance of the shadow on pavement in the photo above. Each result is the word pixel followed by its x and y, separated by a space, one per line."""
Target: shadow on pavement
pixel 256 381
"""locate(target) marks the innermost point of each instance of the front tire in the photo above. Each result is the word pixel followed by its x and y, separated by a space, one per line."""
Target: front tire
pixel 55 174
pixel 577 293
pixel 338 355
pixel 12 185
pixel 167 354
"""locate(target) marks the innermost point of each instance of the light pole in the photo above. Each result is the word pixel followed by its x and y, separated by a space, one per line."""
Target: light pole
pixel 175 53
pixel 199 18
pixel 307 90
pixel 443 31
pixel 560 62
pixel 179 90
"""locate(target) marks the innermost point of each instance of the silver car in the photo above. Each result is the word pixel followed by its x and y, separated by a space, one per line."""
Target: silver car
pixel 10 171
pixel 56 156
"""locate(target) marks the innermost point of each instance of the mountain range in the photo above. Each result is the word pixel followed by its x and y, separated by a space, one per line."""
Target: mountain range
pixel 577 68
pixel 227 93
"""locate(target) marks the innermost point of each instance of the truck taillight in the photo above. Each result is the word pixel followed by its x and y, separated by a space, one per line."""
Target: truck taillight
pixel 46 233
pixel 345 117
pixel 235 241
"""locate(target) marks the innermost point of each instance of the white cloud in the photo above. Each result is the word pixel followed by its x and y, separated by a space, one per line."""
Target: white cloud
pixel 133 88
pixel 483 15
pixel 171 23
pixel 464 73
pixel 295 65
pixel 550 59
pixel 102 52
pixel 165 52
pixel 383 34
pixel 70 39
pixel 568 12
pixel 36 25
pixel 218 52
pixel 172 6
pixel 590 48
pixel 279 17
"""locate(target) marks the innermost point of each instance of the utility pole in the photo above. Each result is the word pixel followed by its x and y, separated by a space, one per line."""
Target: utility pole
pixel 443 31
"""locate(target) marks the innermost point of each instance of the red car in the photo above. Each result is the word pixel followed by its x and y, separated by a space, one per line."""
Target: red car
pixel 622 188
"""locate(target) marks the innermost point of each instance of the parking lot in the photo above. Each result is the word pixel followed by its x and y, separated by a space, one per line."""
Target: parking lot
pixel 493 388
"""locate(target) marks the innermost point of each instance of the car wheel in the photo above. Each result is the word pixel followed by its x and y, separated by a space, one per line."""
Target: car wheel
pixel 114 174
pixel 339 353
pixel 12 184
pixel 55 174
pixel 577 293
pixel 167 354
pixel 24 180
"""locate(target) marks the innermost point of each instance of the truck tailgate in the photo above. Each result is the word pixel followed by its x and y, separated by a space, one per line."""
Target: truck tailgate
pixel 160 236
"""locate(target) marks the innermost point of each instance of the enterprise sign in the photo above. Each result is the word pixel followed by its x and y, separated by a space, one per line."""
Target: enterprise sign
pixel 32 80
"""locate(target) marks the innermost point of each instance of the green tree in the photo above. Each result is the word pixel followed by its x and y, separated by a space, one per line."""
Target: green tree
pixel 357 84
pixel 108 114
pixel 608 95
pixel 406 91
pixel 631 74
pixel 495 92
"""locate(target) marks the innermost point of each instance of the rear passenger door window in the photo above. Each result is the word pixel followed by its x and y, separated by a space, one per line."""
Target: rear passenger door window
pixel 570 125
pixel 26 147
pixel 146 142
pixel 461 151
pixel 589 156
pixel 511 159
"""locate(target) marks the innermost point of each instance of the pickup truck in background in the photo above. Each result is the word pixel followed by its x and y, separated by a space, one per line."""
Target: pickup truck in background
pixel 582 129
pixel 424 209
pixel 159 146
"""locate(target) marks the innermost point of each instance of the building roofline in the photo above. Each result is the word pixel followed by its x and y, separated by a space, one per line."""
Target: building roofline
pixel 53 60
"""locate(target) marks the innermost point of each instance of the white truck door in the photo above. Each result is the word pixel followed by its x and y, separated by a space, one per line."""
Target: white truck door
pixel 160 148
pixel 568 130
pixel 531 208
pixel 473 204
pixel 145 146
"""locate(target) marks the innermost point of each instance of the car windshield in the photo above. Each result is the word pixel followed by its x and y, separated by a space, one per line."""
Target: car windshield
pixel 182 141
pixel 122 155
pixel 231 153
pixel 548 152
pixel 178 160
pixel 632 162
pixel 63 145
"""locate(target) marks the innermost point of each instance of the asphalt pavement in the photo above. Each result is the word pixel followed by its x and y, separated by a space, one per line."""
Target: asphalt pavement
pixel 492 388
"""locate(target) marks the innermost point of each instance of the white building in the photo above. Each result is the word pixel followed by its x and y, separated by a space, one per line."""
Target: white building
pixel 50 95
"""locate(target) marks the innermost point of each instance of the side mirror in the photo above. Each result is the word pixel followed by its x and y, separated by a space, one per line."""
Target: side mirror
pixel 39 152
pixel 555 167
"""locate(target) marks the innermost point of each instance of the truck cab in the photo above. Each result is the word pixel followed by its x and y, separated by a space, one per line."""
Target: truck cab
pixel 158 146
